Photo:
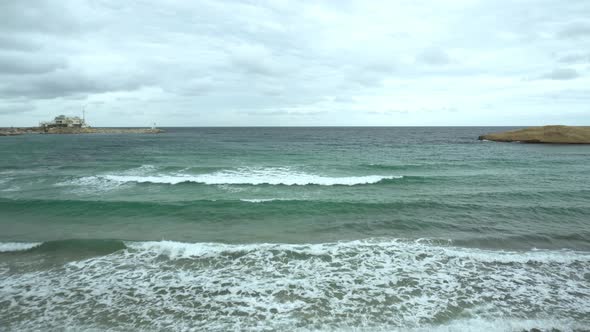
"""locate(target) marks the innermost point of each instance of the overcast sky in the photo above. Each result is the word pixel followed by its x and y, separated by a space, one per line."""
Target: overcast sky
pixel 281 62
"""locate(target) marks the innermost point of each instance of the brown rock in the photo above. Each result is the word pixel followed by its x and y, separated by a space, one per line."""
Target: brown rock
pixel 546 134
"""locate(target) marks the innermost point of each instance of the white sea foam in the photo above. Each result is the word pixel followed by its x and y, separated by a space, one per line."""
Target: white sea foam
pixel 260 200
pixel 96 183
pixel 12 188
pixel 142 169
pixel 17 246
pixel 240 176
pixel 252 176
pixel 188 250
pixel 380 284
pixel 501 325
pixel 90 184
pixel 459 325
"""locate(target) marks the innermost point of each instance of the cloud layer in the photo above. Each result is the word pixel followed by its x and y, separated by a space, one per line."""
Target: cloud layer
pixel 283 62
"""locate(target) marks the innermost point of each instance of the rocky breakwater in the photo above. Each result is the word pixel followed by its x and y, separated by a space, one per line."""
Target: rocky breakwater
pixel 70 130
pixel 18 131
pixel 10 133
pixel 545 134
pixel 58 130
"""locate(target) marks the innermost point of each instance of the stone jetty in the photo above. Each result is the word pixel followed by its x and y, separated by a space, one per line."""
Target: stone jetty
pixel 76 130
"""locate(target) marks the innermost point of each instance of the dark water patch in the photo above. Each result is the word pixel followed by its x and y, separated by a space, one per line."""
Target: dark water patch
pixel 577 241
pixel 386 167
pixel 272 208
pixel 55 253
pixel 280 207
pixel 526 196
pixel 84 247
pixel 287 221
pixel 421 166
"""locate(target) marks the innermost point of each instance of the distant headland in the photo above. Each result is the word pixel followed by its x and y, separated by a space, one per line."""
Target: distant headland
pixel 74 125
pixel 545 134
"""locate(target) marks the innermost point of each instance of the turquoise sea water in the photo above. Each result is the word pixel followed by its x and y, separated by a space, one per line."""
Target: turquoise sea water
pixel 293 229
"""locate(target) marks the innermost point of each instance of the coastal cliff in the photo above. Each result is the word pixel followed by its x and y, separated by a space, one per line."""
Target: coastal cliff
pixel 545 134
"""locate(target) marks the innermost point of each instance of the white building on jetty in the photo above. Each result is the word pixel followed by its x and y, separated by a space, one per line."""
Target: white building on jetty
pixel 63 121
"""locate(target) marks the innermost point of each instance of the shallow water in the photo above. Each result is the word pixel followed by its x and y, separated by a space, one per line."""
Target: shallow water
pixel 293 228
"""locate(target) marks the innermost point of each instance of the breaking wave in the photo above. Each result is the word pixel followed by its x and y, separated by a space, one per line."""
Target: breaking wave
pixel 260 200
pixel 240 176
pixel 375 284
pixel 17 246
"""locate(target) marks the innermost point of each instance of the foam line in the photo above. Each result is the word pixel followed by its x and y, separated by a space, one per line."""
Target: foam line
pixel 241 176
pixel 17 246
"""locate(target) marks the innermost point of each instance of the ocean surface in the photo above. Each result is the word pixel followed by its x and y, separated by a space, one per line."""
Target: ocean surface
pixel 293 229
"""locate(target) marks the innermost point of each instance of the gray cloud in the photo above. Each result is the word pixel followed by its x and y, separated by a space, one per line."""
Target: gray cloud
pixel 13 108
pixel 67 83
pixel 576 30
pixel 255 60
pixel 230 62
pixel 197 86
pixel 434 56
pixel 286 113
pixel 561 74
pixel 13 43
pixel 575 58
pixel 24 63
pixel 39 16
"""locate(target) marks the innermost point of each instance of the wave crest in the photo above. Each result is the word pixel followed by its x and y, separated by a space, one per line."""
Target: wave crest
pixel 242 176
pixel 436 247
pixel 17 246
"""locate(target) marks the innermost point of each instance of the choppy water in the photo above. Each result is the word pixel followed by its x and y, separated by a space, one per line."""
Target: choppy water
pixel 410 229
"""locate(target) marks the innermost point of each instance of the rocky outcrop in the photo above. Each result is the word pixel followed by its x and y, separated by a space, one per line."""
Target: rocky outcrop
pixel 546 134
pixel 16 131
pixel 10 133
